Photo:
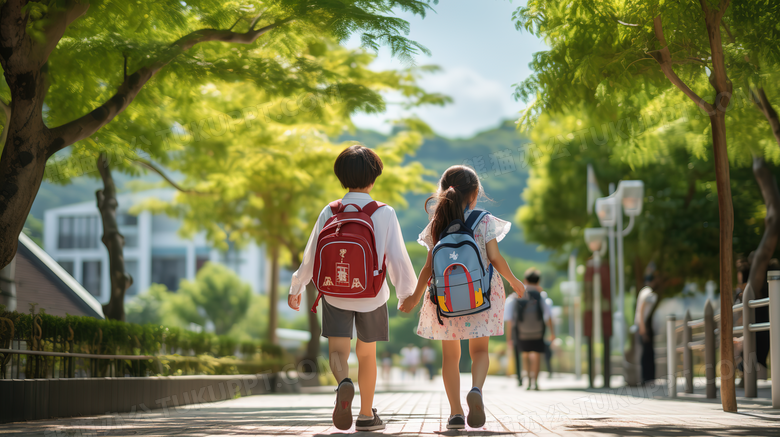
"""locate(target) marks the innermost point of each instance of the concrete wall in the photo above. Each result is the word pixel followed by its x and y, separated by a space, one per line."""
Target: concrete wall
pixel 35 399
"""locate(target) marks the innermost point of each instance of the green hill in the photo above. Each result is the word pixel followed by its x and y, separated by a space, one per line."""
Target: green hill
pixel 504 189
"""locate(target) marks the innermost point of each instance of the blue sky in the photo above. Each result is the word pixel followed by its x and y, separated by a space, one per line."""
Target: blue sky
pixel 481 54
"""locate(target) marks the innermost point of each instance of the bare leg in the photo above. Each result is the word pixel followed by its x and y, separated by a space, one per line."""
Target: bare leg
pixel 480 360
pixel 535 359
pixel 338 349
pixel 527 366
pixel 366 354
pixel 450 373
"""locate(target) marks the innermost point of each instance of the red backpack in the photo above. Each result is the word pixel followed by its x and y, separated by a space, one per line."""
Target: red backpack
pixel 345 263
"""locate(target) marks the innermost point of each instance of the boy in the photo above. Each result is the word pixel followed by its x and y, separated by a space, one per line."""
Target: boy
pixel 357 168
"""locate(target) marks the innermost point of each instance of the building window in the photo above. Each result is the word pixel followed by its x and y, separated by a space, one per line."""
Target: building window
pixel 78 232
pixel 67 265
pixel 163 223
pixel 90 276
pixel 131 268
pixel 126 219
pixel 131 239
pixel 169 270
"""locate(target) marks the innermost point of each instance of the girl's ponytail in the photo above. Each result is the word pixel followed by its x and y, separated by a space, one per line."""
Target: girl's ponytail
pixel 457 186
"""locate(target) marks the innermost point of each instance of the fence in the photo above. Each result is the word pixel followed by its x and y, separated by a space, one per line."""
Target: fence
pixel 705 341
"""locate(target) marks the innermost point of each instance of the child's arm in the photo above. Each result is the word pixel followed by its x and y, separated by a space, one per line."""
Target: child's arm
pixel 399 266
pixel 409 303
pixel 306 270
pixel 499 263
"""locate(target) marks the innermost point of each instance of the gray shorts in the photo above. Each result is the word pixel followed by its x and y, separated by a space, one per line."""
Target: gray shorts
pixel 371 327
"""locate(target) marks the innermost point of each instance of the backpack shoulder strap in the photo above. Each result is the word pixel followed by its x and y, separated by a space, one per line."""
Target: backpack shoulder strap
pixel 335 206
pixel 371 207
pixel 475 217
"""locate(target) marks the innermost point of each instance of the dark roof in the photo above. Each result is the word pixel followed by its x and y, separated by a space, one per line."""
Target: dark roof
pixel 41 280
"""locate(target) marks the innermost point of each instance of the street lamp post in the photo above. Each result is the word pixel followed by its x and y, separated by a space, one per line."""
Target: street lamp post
pixel 594 238
pixel 627 199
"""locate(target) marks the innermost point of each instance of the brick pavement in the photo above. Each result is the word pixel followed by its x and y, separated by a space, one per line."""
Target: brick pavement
pixel 418 407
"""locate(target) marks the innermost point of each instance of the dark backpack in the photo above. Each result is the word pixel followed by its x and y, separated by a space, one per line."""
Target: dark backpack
pixel 529 317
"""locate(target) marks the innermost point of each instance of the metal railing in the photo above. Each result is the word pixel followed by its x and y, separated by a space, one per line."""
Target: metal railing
pixel 705 341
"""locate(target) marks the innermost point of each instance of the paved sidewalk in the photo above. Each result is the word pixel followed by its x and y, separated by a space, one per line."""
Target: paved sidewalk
pixel 420 407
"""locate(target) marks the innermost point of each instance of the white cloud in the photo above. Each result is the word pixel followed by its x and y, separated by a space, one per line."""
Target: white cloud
pixel 479 103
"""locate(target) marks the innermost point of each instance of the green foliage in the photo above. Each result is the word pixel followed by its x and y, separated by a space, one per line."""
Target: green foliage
pixel 216 295
pixel 678 227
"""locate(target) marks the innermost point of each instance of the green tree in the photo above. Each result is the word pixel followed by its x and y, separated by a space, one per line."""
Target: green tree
pixel 217 295
pixel 71 43
pixel 609 50
pixel 149 307
pixel 272 172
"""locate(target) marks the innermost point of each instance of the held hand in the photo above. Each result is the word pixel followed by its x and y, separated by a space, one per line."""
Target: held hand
pixel 408 304
pixel 518 287
pixel 294 301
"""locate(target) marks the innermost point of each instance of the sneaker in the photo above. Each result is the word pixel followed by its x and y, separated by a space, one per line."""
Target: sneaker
pixel 476 417
pixel 370 424
pixel 342 412
pixel 456 421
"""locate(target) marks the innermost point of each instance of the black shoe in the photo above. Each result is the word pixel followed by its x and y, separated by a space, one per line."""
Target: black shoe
pixel 456 422
pixel 476 417
pixel 373 424
pixel 342 412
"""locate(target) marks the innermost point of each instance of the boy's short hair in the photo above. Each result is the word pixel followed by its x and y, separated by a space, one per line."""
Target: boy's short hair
pixel 532 275
pixel 357 167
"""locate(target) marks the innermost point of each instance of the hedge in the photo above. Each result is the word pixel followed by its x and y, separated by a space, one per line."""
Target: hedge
pixel 83 334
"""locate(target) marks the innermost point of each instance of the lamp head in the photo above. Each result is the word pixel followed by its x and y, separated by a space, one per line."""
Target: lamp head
pixel 632 194
pixel 606 210
pixel 595 238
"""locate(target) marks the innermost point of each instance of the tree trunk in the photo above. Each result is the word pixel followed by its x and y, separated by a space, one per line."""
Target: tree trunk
pixel 114 242
pixel 720 81
pixel 769 190
pixel 726 229
pixel 273 296
pixel 22 166
pixel 8 286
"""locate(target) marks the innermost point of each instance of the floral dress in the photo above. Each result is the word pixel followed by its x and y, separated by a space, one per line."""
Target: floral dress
pixel 484 324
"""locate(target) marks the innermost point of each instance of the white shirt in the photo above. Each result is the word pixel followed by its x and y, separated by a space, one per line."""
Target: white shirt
pixel 648 297
pixel 389 242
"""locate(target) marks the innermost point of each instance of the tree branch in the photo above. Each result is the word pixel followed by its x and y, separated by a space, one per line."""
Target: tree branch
pixel 762 103
pixel 88 124
pixel 56 25
pixel 664 59
pixel 150 166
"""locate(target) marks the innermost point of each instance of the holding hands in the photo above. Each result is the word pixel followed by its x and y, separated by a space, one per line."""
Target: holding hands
pixel 408 304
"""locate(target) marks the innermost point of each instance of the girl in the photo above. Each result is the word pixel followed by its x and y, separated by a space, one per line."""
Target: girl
pixel 457 195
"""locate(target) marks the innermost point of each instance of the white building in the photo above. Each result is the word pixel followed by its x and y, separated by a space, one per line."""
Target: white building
pixel 154 251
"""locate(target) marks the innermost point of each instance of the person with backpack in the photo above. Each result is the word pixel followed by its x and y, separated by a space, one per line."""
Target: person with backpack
pixel 531 312
pixel 465 293
pixel 354 244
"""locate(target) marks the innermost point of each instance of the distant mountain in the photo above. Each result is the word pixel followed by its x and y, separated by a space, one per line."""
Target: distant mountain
pixel 504 189
pixel 437 153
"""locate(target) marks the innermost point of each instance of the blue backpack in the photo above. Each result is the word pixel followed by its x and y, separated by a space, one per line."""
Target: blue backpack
pixel 460 283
